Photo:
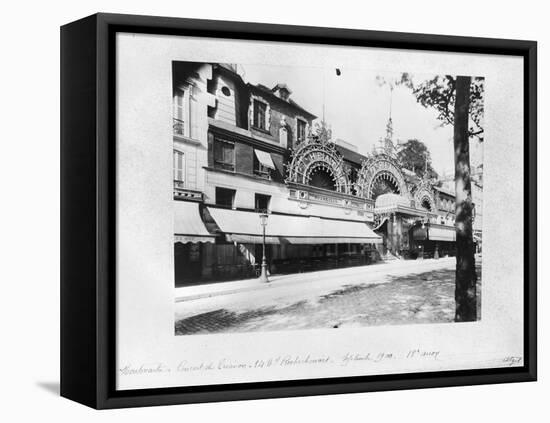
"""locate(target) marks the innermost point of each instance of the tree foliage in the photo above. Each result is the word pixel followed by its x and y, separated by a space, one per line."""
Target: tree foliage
pixel 439 93
pixel 322 131
pixel 458 101
pixel 415 156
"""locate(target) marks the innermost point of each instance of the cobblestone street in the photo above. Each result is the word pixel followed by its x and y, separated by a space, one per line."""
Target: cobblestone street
pixel 382 299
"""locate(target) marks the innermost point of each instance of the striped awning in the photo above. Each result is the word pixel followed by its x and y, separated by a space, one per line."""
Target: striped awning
pixel 188 225
pixel 264 158
pixel 244 227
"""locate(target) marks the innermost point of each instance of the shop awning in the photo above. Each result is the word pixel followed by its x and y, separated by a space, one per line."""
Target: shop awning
pixel 420 233
pixel 265 159
pixel 442 233
pixel 188 225
pixel 395 203
pixel 244 227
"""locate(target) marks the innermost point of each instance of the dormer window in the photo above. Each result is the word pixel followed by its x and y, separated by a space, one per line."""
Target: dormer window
pixel 300 130
pixel 260 112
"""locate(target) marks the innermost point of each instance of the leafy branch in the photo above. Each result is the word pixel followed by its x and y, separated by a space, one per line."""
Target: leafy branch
pixel 439 93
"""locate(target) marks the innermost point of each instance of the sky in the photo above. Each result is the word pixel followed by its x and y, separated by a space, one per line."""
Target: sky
pixel 357 107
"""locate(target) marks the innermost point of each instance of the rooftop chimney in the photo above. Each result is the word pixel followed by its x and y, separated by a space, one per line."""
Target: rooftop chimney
pixel 282 91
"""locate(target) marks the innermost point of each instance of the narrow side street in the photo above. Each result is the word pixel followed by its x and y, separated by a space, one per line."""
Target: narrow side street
pixel 400 292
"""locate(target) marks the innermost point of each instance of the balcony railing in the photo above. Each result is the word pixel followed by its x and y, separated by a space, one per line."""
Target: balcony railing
pixel 265 174
pixel 178 126
pixel 182 193
pixel 224 165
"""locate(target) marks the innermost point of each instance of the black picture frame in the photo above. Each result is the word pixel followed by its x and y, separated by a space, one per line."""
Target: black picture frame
pixel 88 210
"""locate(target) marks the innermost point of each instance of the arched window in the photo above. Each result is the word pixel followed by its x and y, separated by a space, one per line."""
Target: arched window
pixel 384 183
pixel 321 178
pixel 426 204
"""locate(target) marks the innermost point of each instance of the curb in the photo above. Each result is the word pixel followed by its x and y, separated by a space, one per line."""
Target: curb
pixel 260 286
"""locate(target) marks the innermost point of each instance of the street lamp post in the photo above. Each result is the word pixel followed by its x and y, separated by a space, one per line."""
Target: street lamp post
pixel 421 255
pixel 263 222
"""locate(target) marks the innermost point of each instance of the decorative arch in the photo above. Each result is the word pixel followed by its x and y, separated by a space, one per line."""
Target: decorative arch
pixel 381 167
pixel 424 195
pixel 313 156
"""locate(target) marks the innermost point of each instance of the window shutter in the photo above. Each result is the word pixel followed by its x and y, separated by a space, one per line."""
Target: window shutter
pixel 175 165
pixel 179 166
pixel 182 166
pixel 194 118
pixel 267 117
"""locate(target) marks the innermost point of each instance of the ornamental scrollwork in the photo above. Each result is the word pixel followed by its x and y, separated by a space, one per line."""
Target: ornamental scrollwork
pixel 312 155
pixel 424 194
pixel 381 167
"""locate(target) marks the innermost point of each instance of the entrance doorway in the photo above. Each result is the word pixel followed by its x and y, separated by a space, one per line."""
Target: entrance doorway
pixel 187 262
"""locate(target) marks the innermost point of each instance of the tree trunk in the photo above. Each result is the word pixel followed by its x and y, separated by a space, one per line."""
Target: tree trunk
pixel 465 289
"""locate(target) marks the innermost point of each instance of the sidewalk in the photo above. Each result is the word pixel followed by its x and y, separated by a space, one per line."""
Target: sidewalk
pixel 333 277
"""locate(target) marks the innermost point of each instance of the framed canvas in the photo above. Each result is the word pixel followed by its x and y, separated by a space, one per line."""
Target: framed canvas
pixel 258 211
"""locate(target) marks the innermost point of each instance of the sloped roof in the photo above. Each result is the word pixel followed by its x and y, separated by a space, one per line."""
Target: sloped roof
pixel 350 155
pixel 267 91
pixel 445 191
pixel 229 70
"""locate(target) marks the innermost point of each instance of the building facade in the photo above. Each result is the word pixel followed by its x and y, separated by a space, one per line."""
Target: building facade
pixel 241 149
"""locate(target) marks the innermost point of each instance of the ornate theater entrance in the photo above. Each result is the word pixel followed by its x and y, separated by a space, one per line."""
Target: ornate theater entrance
pixel 399 204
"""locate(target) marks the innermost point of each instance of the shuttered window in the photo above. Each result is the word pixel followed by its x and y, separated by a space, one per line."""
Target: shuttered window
pixel 181 118
pixel 224 154
pixel 179 169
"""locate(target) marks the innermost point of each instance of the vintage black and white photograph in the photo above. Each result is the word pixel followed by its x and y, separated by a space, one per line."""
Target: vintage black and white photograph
pixel 325 197
pixel 280 211
pixel 289 211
